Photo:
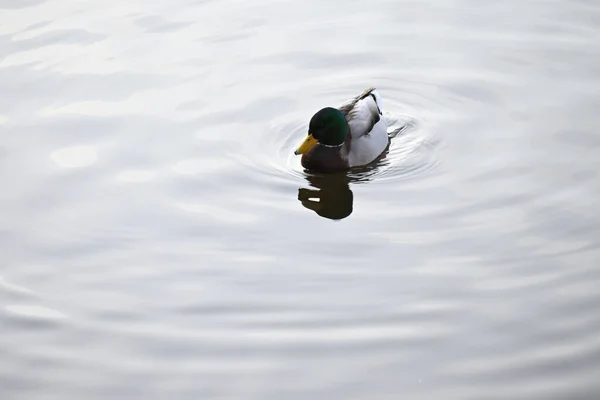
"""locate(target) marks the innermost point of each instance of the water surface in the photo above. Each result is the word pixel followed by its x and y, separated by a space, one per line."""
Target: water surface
pixel 159 238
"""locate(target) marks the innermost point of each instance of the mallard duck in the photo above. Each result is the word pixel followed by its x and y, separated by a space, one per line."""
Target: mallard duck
pixel 352 135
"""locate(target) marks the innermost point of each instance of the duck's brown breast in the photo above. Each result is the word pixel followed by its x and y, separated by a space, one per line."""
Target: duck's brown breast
pixel 324 159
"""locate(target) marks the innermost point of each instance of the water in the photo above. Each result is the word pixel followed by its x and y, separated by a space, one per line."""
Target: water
pixel 158 236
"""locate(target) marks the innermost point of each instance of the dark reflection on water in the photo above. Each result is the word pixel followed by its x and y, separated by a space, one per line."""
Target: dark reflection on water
pixel 331 197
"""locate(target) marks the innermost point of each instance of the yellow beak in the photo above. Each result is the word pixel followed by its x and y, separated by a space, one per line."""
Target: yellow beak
pixel 309 142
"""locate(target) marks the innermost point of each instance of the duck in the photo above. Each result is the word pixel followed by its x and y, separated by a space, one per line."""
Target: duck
pixel 351 135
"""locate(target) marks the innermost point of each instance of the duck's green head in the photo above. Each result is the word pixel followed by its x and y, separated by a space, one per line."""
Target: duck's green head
pixel 328 126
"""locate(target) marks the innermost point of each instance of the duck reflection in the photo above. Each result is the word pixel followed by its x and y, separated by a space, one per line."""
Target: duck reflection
pixel 331 197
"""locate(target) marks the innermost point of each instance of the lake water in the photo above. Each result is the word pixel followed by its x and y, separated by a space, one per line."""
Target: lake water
pixel 160 240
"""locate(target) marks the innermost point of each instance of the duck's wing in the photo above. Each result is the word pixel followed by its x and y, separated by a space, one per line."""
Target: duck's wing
pixel 362 112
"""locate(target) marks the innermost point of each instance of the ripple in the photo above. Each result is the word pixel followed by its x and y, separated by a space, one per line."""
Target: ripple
pixel 410 154
pixel 74 157
pixel 413 109
pixel 34 312
pixel 13 288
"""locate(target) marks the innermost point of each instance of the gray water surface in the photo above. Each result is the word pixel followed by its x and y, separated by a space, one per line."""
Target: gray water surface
pixel 158 239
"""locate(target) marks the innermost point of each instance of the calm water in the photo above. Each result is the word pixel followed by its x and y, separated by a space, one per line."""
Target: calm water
pixel 160 240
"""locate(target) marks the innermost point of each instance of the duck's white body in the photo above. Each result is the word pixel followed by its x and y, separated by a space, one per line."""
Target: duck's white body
pixel 368 129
